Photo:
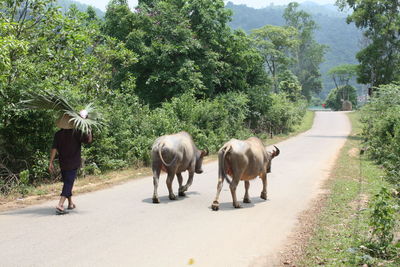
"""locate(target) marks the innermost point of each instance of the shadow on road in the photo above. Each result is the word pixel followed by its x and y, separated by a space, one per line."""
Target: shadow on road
pixel 39 211
pixel 166 200
pixel 227 206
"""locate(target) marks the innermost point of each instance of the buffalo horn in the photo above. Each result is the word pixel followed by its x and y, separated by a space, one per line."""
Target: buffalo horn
pixel 276 152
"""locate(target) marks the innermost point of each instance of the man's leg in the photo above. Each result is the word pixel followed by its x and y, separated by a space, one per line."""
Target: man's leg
pixel 68 179
pixel 71 205
pixel 60 205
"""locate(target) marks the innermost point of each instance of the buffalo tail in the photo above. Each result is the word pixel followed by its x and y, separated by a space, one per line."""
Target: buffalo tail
pixel 221 160
pixel 160 146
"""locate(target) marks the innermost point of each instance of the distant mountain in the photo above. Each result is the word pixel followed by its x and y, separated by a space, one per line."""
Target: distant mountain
pixel 65 4
pixel 342 38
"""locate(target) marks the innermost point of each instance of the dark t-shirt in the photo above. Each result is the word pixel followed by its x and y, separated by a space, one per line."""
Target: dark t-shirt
pixel 68 144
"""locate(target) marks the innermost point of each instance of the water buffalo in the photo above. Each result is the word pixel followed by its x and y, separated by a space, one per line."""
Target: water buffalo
pixel 243 160
pixel 175 154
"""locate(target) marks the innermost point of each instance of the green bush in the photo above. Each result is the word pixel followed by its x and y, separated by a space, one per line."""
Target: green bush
pixel 274 113
pixel 131 128
pixel 381 129
pixel 383 224
pixel 337 95
pixel 117 145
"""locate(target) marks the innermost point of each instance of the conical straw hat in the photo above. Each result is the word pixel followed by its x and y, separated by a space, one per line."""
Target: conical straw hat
pixel 64 122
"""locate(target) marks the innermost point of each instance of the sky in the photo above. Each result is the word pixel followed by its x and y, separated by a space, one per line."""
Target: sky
pixel 101 4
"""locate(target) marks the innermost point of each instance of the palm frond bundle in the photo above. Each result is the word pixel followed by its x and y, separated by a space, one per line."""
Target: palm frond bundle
pixel 46 100
pixel 83 120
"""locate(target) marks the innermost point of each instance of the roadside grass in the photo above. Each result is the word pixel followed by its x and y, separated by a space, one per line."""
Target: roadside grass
pixel 342 229
pixel 29 195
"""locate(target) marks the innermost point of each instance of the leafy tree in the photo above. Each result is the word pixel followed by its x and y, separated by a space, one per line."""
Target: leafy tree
pixel 276 45
pixel 91 14
pixel 185 46
pixel 20 21
pixel 118 19
pixel 341 75
pixel 380 21
pixel 309 54
pixel 8 44
pixel 290 85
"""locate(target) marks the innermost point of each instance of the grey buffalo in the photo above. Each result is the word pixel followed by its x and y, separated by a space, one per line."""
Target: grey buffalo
pixel 243 160
pixel 175 154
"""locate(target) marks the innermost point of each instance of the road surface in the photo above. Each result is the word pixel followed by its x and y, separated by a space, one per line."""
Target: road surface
pixel 120 226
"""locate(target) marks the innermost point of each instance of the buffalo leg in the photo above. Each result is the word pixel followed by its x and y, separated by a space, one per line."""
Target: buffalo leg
pixel 170 178
pixel 189 182
pixel 264 190
pixel 246 198
pixel 215 204
pixel 233 186
pixel 156 178
pixel 180 181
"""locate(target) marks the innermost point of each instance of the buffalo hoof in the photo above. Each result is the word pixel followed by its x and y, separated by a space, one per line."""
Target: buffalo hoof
pixel 156 200
pixel 172 197
pixel 236 205
pixel 182 194
pixel 263 195
pixel 215 206
pixel 246 200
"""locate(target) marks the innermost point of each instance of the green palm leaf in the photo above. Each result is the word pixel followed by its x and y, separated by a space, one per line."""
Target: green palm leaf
pixel 47 101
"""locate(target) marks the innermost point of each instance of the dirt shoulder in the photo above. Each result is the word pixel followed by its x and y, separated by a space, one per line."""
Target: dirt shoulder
pixel 299 239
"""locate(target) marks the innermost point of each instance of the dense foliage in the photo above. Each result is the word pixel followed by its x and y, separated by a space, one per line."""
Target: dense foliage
pixel 309 54
pixel 338 95
pixel 382 129
pixel 164 67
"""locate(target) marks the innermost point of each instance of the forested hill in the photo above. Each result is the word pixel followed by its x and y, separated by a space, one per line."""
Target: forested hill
pixel 342 38
pixel 65 4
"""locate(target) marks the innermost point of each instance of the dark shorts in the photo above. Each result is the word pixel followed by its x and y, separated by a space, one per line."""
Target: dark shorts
pixel 68 178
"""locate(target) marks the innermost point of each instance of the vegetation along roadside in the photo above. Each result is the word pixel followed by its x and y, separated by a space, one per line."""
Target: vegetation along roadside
pixel 354 222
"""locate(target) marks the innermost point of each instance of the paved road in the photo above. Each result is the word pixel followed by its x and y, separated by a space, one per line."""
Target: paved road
pixel 121 227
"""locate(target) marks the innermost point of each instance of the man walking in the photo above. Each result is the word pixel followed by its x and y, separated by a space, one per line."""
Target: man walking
pixel 67 144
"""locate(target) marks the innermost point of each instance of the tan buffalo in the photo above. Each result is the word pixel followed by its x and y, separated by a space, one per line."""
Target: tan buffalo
pixel 175 154
pixel 243 160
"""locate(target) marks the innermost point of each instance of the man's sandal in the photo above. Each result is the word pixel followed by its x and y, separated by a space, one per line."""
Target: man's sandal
pixel 72 207
pixel 60 211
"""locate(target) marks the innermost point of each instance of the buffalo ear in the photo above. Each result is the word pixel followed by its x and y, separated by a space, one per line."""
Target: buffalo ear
pixel 204 152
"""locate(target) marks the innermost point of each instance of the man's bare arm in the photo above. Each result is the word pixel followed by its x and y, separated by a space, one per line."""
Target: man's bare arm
pixel 53 153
